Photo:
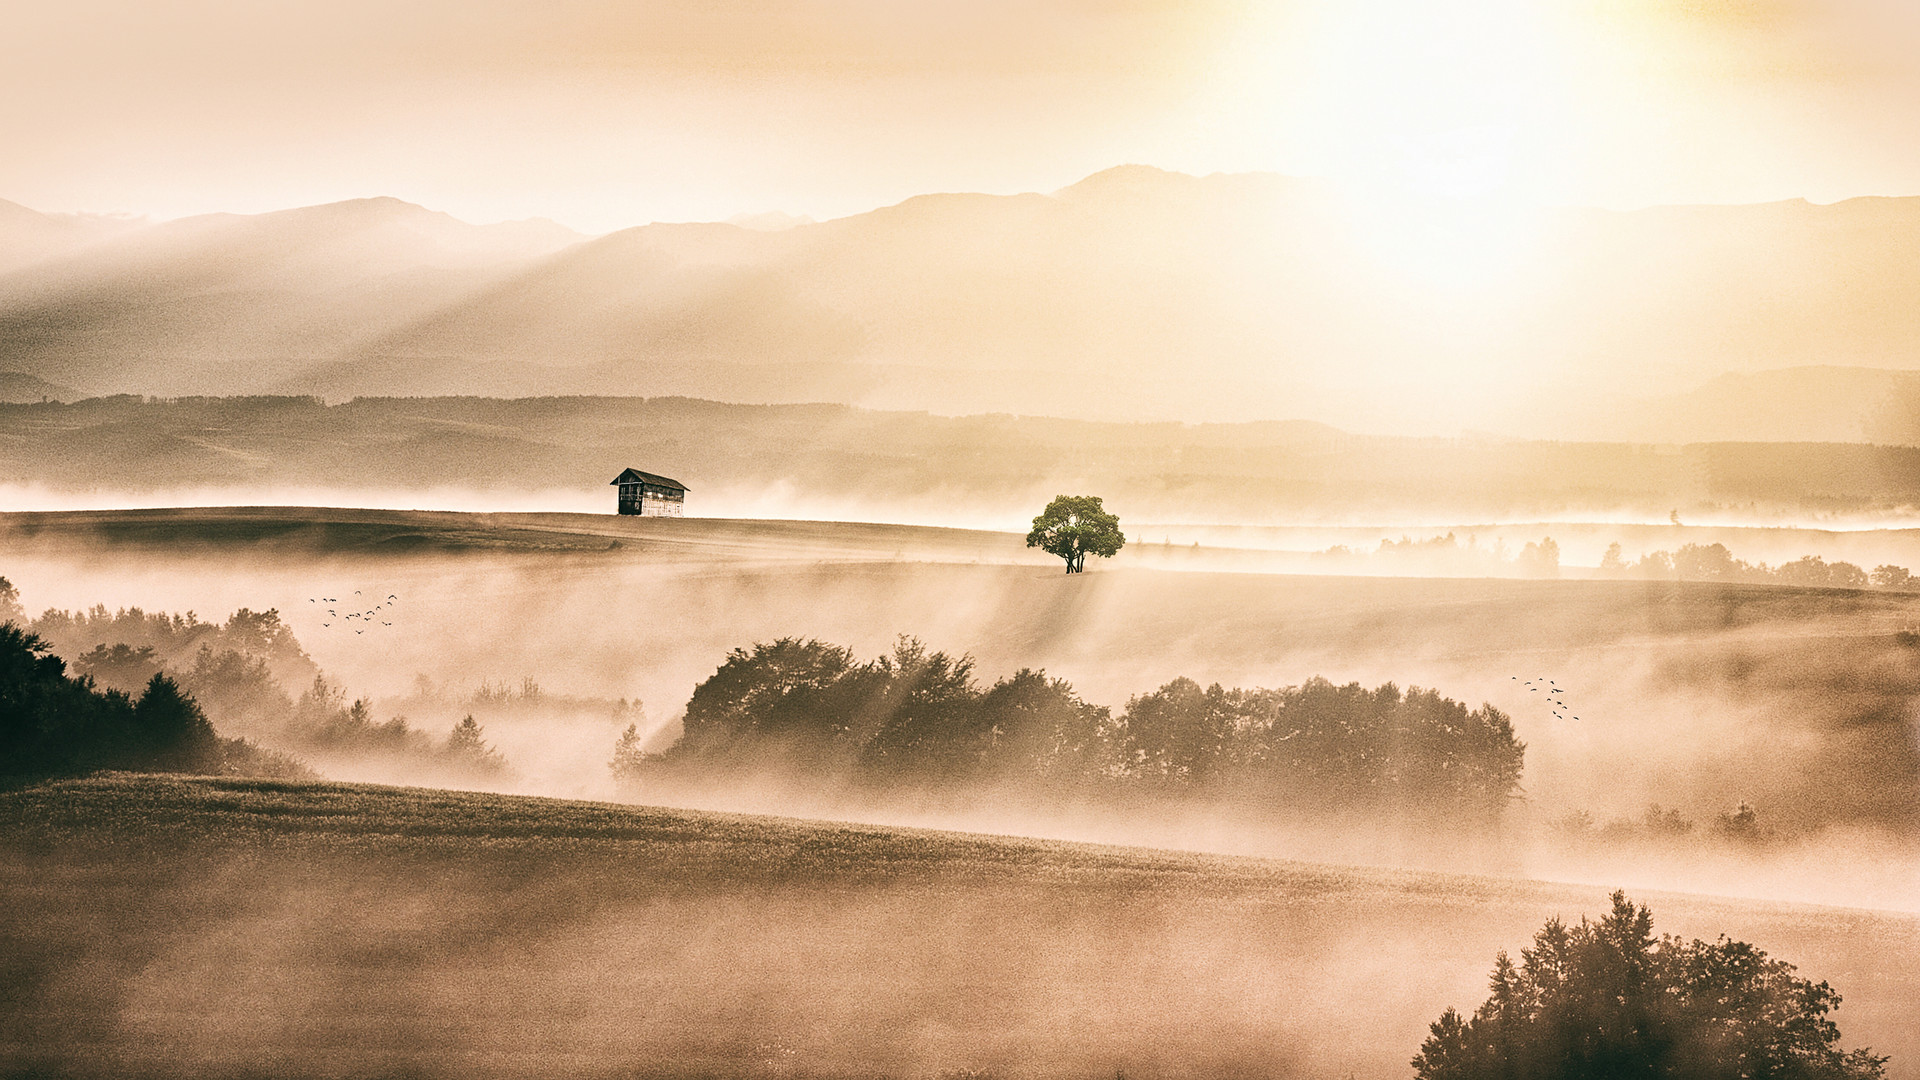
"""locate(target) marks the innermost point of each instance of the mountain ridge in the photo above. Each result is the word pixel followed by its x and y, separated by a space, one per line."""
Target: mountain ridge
pixel 1134 293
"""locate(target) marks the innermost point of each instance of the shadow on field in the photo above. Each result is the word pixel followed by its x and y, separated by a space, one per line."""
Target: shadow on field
pixel 167 926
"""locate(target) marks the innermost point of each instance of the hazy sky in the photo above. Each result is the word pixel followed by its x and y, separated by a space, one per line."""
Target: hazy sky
pixel 603 114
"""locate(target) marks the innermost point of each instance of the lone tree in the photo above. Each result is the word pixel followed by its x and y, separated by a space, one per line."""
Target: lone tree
pixel 1075 526
pixel 1609 1001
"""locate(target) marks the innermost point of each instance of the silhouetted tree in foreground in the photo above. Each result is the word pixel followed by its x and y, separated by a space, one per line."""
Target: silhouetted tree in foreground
pixel 1075 526
pixel 1608 1001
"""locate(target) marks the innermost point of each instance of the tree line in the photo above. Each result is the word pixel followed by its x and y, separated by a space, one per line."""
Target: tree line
pixel 53 723
pixel 1714 562
pixel 1447 555
pixel 920 717
pixel 180 672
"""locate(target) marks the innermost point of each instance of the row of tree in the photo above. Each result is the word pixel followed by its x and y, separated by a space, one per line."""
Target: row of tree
pixel 919 717
pixel 53 723
pixel 232 673
pixel 324 722
pixel 1447 555
pixel 1713 562
pixel 1691 562
pixel 145 643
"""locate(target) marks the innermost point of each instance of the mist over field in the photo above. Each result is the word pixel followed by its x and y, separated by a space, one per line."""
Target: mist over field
pixel 1707 657
pixel 828 462
pixel 489 936
pixel 960 541
pixel 557 632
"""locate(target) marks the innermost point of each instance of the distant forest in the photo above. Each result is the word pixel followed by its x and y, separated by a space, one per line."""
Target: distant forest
pixel 989 463
pixel 918 718
pixel 1690 562
pixel 1713 562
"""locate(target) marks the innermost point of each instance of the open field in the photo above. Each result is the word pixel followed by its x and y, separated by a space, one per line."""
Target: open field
pixel 161 926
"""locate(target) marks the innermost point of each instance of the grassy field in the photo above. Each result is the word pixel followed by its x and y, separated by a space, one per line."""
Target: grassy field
pixel 164 926
pixel 338 531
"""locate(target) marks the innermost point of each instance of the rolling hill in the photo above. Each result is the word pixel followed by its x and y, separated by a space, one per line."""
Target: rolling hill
pixel 180 304
pixel 1132 294
pixel 844 462
pixel 28 236
pixel 174 925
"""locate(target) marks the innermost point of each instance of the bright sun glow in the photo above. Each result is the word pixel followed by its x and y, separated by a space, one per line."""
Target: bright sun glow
pixel 1441 124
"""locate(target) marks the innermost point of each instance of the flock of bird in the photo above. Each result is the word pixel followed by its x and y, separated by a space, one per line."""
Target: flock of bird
pixel 367 619
pixel 1556 696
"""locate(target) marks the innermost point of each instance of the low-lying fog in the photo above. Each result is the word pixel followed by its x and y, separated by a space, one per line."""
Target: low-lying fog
pixel 1583 532
pixel 1698 698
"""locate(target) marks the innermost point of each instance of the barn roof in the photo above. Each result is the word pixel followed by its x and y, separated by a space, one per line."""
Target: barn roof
pixel 635 476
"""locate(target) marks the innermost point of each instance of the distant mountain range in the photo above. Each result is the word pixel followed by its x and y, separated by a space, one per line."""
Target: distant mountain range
pixel 29 236
pixel 1134 294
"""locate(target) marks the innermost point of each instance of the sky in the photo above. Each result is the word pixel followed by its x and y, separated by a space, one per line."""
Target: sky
pixel 604 114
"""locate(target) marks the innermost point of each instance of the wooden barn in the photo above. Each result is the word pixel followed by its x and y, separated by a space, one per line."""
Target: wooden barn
pixel 647 495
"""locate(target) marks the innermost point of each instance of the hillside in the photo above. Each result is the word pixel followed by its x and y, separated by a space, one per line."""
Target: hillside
pixel 28 236
pixel 166 925
pixel 842 462
pixel 179 304
pixel 1134 294
pixel 18 389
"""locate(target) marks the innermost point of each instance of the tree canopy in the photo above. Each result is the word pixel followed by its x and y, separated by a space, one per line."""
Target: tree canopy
pixel 52 723
pixel 1608 1001
pixel 1075 526
pixel 917 716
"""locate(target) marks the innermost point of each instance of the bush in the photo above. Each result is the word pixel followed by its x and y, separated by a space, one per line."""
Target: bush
pixel 1609 1001
pixel 238 757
